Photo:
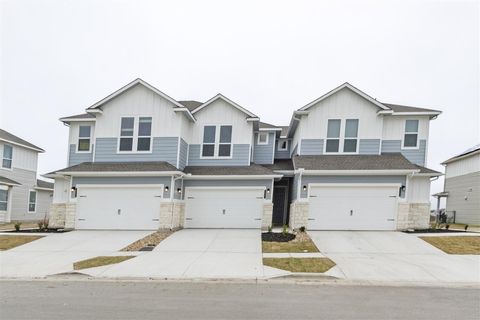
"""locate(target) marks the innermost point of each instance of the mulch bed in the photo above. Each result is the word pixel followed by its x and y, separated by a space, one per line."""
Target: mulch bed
pixel 149 242
pixel 277 237
pixel 433 231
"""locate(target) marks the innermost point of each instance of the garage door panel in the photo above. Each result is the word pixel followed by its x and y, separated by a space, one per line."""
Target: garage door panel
pixel 352 208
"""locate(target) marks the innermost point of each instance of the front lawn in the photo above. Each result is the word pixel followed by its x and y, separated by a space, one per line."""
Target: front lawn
pixel 301 243
pixel 9 242
pixel 99 261
pixel 312 265
pixel 455 244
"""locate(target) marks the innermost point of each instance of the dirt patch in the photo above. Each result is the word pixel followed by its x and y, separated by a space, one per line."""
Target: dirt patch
pixel 301 242
pixel 152 240
pixel 9 242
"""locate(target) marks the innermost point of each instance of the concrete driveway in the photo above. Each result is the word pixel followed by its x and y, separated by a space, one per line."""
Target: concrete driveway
pixel 56 253
pixel 197 253
pixel 394 256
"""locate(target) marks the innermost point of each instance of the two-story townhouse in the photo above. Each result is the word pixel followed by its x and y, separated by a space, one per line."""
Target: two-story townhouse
pixel 23 197
pixel 359 164
pixel 139 159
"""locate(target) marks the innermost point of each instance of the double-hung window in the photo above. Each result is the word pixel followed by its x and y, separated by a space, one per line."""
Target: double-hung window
pixel 217 141
pixel 351 135
pixel 135 134
pixel 3 199
pixel 333 135
pixel 7 156
pixel 126 134
pixel 144 133
pixel 32 201
pixel 84 136
pixel 410 139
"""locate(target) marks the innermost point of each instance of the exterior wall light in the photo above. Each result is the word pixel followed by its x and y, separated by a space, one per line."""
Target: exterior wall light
pixel 179 190
pixel 166 189
pixel 268 190
pixel 304 188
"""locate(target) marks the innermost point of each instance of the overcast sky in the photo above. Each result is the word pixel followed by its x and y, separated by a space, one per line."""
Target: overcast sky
pixel 59 57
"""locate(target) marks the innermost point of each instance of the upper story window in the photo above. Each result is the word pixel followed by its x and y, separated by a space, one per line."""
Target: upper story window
pixel 410 139
pixel 217 141
pixel 84 137
pixel 282 145
pixel 139 140
pixel 32 201
pixel 336 141
pixel 7 156
pixel 262 138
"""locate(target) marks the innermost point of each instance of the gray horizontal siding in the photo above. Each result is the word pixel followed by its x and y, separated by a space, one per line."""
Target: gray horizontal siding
pixel 240 157
pixel 163 149
pixel 306 180
pixel 166 181
pixel 75 158
pixel 263 153
pixel 282 154
pixel 464 197
pixel 311 147
pixel 183 154
pixel 416 156
pixel 267 183
pixel 369 146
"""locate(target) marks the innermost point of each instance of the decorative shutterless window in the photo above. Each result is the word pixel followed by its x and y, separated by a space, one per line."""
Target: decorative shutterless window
pixel 84 137
pixel 208 146
pixel 225 145
pixel 410 139
pixel 217 141
pixel 126 134
pixel 282 145
pixel 262 138
pixel 333 135
pixel 144 140
pixel 32 201
pixel 7 156
pixel 350 141
pixel 3 200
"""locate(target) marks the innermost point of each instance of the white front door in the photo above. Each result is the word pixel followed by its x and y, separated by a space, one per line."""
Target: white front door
pixel 118 207
pixel 348 207
pixel 223 207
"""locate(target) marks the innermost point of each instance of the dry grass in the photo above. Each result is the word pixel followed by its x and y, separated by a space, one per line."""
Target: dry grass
pixel 11 226
pixel 9 242
pixel 99 261
pixel 313 265
pixel 455 244
pixel 151 240
pixel 301 243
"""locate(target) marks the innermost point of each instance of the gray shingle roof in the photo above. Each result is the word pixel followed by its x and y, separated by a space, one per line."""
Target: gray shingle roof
pixel 264 125
pixel 253 169
pixel 44 184
pixel 190 104
pixel 280 165
pixel 464 153
pixel 8 182
pixel 385 161
pixel 400 108
pixel 79 116
pixel 119 167
pixel 7 136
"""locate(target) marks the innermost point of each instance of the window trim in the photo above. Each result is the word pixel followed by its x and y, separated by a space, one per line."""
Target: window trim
pixel 135 136
pixel 279 148
pixel 6 201
pixel 266 141
pixel 405 133
pixel 3 157
pixel 139 136
pixel 84 138
pixel 216 144
pixel 351 138
pixel 341 137
pixel 28 200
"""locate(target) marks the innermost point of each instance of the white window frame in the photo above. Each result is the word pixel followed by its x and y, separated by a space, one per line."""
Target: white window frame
pixel 135 136
pixel 260 143
pixel 36 201
pixel 6 189
pixel 279 145
pixel 343 125
pixel 350 138
pixel 216 147
pixel 3 157
pixel 83 138
pixel 405 133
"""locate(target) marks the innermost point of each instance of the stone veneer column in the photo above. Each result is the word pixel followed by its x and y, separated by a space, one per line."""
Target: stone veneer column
pixel 413 216
pixel 56 217
pixel 70 214
pixel 299 211
pixel 267 215
pixel 172 215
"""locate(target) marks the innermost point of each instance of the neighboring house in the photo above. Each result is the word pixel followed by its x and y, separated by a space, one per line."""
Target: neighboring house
pixel 462 186
pixel 22 196
pixel 139 159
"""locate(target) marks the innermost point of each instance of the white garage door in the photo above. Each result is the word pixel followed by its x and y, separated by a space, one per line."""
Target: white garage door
pixel 359 207
pixel 223 208
pixel 118 207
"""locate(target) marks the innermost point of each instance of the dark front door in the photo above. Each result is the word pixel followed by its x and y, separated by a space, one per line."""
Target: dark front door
pixel 279 206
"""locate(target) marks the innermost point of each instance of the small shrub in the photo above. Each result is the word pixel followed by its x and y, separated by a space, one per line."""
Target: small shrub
pixel 285 229
pixel 17 226
pixel 269 228
pixel 466 227
pixel 40 225
pixel 302 229
pixel 447 226
pixel 45 222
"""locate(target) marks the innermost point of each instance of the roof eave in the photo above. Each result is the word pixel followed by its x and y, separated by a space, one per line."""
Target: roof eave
pixel 22 145
pixel 233 177
pixel 358 172
pixel 112 173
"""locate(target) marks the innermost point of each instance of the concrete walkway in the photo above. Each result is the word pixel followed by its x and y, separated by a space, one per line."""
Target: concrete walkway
pixel 197 253
pixel 56 253
pixel 394 256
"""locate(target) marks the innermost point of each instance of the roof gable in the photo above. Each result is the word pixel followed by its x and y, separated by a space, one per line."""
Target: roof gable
pixel 222 97
pixel 13 139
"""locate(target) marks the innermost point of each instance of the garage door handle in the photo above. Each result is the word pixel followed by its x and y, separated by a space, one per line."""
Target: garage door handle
pixel 82 196
pixel 188 219
pixel 390 219
pixel 258 219
pixel 310 219
pixel 392 196
pixel 81 219
pixel 313 196
pixel 155 219
pixel 190 198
